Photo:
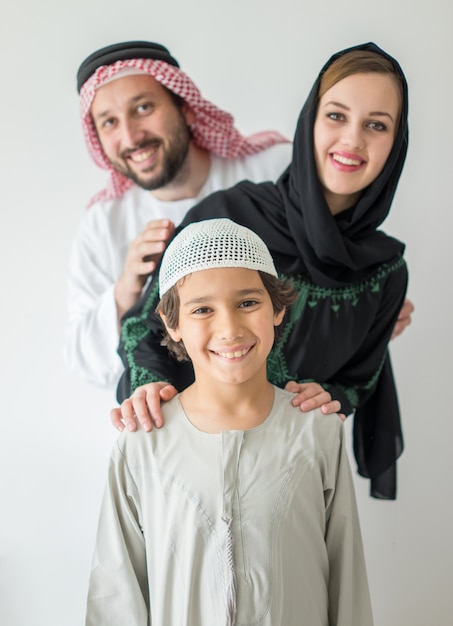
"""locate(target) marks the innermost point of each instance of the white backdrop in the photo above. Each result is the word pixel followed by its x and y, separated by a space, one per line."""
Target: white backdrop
pixel 258 59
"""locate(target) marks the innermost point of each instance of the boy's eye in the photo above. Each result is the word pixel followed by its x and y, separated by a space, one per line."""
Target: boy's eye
pixel 201 310
pixel 248 303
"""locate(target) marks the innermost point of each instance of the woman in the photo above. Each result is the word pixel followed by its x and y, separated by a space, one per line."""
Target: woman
pixel 320 223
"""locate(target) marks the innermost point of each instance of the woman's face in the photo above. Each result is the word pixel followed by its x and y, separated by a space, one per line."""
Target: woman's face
pixel 354 130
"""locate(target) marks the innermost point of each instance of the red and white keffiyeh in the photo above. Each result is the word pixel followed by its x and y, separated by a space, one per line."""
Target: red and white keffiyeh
pixel 212 130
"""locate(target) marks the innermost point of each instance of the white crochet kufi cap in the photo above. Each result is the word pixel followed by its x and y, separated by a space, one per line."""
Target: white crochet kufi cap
pixel 212 244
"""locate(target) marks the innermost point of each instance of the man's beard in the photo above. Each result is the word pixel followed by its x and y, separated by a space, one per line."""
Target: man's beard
pixel 173 158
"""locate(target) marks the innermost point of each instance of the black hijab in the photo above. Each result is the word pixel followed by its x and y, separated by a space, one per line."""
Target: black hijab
pixel 335 250
pixel 293 215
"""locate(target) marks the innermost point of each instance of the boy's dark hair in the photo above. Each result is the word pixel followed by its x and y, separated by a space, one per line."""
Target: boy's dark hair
pixel 281 292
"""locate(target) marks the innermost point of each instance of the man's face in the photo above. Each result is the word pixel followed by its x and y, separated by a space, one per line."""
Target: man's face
pixel 143 133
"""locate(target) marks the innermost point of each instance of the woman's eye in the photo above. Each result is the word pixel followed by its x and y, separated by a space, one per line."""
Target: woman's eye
pixel 335 116
pixel 377 126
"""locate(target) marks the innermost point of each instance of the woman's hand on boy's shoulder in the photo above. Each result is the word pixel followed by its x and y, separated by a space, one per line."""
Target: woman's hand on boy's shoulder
pixel 313 396
pixel 142 408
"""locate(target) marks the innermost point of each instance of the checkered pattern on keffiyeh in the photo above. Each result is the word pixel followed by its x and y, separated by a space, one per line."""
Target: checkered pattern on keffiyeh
pixel 213 128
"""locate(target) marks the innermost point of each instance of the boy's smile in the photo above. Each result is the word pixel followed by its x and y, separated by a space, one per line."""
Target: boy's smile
pixel 234 354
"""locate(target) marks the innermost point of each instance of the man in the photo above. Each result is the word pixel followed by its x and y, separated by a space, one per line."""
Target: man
pixel 166 148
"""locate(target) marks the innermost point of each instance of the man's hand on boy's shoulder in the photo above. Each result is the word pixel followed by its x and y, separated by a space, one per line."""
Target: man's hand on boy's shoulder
pixel 313 396
pixel 142 408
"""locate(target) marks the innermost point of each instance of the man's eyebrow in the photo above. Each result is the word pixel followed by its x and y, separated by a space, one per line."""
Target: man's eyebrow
pixel 141 95
pixel 340 105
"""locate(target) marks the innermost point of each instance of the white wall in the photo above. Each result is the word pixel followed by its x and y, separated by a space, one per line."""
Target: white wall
pixel 256 58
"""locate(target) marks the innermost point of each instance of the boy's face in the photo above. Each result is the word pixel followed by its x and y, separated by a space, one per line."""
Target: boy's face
pixel 226 321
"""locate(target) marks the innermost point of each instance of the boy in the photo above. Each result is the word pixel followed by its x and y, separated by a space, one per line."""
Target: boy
pixel 253 520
